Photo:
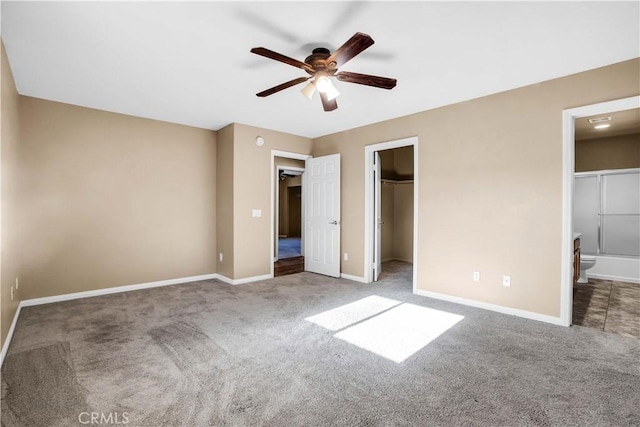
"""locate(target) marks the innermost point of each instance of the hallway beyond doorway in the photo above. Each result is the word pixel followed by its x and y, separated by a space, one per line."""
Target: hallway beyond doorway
pixel 289 247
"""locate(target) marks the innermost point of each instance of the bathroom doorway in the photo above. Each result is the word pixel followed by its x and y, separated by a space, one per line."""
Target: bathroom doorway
pixel 601 216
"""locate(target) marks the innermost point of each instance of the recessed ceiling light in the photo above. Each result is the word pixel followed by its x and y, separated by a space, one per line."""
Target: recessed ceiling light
pixel 602 126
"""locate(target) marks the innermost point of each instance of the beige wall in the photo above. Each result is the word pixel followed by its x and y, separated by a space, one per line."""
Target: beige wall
pixel 403 162
pixel 387 229
pixel 283 205
pixel 617 152
pixel 112 200
pixel 9 261
pixel 490 187
pixel 403 222
pixel 224 200
pixel 252 181
pixel 397 216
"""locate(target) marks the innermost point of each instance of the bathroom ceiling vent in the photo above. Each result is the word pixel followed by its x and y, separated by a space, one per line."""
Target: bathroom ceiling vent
pixel 600 120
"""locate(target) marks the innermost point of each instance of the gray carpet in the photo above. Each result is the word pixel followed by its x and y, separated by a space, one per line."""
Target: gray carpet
pixel 209 354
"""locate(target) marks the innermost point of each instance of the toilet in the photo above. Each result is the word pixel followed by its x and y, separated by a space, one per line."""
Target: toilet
pixel 586 262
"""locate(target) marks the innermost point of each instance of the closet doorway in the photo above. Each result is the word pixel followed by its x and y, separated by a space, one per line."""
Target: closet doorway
pixel 391 211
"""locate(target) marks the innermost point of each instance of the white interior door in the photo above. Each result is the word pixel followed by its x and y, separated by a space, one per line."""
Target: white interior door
pixel 322 206
pixel 377 220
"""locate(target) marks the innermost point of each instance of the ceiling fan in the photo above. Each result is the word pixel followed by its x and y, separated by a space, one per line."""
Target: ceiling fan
pixel 322 65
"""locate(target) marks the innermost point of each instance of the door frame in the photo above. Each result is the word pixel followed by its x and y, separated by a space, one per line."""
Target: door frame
pixel 568 171
pixel 276 221
pixel 369 210
pixel 287 155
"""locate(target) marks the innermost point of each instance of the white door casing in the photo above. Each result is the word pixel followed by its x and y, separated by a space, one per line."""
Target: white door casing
pixel 377 223
pixel 322 238
pixel 274 181
pixel 369 209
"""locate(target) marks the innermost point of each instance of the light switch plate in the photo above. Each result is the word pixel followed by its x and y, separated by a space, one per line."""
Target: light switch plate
pixel 256 213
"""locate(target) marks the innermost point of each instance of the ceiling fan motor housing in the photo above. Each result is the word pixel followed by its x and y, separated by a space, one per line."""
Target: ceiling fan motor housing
pixel 317 60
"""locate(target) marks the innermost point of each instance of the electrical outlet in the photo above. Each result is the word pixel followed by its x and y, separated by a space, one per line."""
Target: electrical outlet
pixel 346 256
pixel 12 293
pixel 506 281
pixel 476 276
pixel 221 257
pixel 17 284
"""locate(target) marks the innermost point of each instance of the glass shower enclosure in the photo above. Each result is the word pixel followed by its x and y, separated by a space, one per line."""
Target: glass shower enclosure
pixel 606 210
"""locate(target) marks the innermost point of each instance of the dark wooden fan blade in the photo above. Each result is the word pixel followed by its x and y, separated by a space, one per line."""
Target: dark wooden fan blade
pixel 366 79
pixel 351 48
pixel 282 86
pixel 279 57
pixel 326 104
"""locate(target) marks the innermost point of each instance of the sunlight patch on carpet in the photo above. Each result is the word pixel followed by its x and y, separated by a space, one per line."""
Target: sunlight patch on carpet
pixel 386 327
pixel 348 314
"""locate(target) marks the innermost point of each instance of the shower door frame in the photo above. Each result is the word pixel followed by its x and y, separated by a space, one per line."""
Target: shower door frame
pixel 599 174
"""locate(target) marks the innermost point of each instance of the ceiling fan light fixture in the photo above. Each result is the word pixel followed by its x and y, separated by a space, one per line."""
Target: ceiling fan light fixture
pixel 332 93
pixel 309 90
pixel 323 84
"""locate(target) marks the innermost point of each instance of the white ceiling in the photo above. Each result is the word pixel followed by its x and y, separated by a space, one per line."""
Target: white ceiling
pixel 189 62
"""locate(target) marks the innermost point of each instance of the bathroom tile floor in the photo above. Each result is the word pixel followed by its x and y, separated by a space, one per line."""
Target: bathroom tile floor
pixel 609 306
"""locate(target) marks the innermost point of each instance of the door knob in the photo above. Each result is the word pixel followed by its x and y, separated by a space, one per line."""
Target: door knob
pixel 334 222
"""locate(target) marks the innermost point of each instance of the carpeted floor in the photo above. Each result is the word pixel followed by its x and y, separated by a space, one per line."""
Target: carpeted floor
pixel 211 354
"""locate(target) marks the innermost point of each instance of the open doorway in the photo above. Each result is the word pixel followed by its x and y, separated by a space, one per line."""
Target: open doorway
pixel 391 209
pixel 601 248
pixel 287 212
pixel 394 212
pixel 606 222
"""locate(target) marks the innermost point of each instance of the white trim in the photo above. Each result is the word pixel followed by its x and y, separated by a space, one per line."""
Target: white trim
pixel 354 278
pixel 245 280
pixel 615 278
pixel 493 307
pixel 7 340
pixel 272 231
pixel 608 172
pixel 368 203
pixel 568 170
pixel 115 290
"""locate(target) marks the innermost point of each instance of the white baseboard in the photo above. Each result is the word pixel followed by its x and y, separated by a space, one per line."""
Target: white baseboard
pixel 354 278
pixel 229 281
pixel 115 290
pixel 410 261
pixel 7 341
pixel 493 307
pixel 616 278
